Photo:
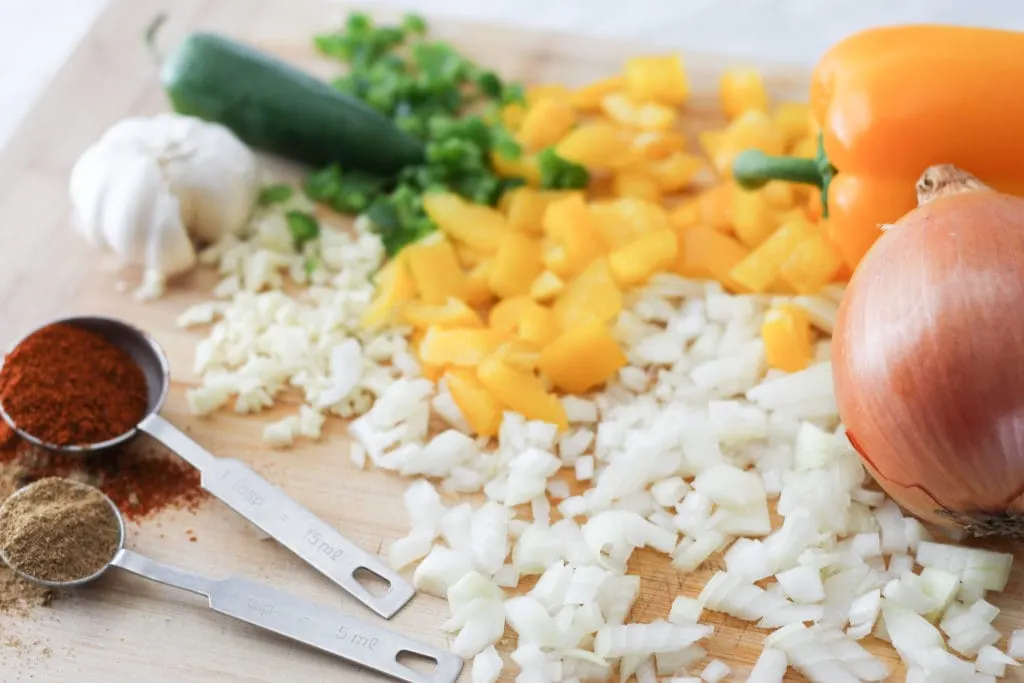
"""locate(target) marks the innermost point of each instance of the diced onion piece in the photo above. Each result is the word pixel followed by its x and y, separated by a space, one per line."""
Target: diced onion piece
pixel 529 618
pixel 685 610
pixel 715 671
pixel 770 667
pixel 487 666
pixel 1015 648
pixel 647 639
pixel 441 569
pixel 802 584
pixel 991 660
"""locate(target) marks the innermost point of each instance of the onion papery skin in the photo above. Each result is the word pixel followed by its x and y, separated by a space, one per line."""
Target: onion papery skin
pixel 928 361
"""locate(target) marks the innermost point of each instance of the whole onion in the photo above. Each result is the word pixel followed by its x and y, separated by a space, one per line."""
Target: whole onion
pixel 928 356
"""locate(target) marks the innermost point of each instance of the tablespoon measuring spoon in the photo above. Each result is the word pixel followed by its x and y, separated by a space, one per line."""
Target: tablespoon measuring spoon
pixel 235 483
pixel 320 627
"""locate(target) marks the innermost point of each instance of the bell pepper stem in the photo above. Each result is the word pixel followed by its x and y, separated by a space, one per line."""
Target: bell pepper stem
pixel 753 169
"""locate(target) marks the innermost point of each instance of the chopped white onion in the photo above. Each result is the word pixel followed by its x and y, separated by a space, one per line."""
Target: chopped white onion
pixel 770 667
pixel 487 666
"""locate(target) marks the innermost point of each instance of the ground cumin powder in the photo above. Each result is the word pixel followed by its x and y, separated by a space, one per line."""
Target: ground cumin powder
pixel 58 530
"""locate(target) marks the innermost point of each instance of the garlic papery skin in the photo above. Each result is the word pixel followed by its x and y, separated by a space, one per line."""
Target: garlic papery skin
pixel 151 187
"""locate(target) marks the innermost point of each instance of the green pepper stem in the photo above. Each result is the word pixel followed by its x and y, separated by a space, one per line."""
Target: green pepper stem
pixel 151 35
pixel 753 169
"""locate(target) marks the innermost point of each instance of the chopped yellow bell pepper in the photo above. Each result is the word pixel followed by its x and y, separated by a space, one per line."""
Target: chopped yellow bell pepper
pixel 435 269
pixel 588 98
pixel 676 171
pixel 480 227
pixel 547 121
pixel 753 129
pixel 805 147
pixel 573 236
pixel 598 145
pixel 395 286
pixel 506 314
pixel 525 167
pixel 707 253
pixel 752 221
pixel 779 194
pixel 591 294
pixel 793 119
pixel 645 115
pixel 813 264
pixel 452 313
pixel 619 221
pixel 543 91
pixel 525 207
pixel 653 145
pixel 659 78
pixel 515 265
pixel 519 355
pixel 761 267
pixel 461 346
pixel 742 89
pixel 468 256
pixel 582 358
pixel 482 411
pixel 512 115
pixel 786 332
pixel 478 291
pixel 716 205
pixel 638 184
pixel 686 215
pixel 521 391
pixel 537 326
pixel 546 286
pixel 651 253
pixel 711 141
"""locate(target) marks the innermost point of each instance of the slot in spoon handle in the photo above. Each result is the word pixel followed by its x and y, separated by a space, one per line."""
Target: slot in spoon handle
pixel 284 520
pixel 323 628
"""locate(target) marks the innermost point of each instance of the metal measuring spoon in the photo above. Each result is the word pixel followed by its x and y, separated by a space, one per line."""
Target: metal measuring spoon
pixel 234 482
pixel 320 627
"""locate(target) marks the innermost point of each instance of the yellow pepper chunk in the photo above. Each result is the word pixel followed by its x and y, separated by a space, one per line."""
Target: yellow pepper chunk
pixel 477 226
pixel 462 346
pixel 638 184
pixel 657 78
pixel 716 205
pixel 779 194
pixel 806 148
pixel 507 313
pixel 761 267
pixel 654 252
pixel 478 289
pixel 582 358
pixel 521 391
pixel 588 98
pixel 468 256
pixel 395 286
pixel 707 253
pixel 572 234
pixel 519 355
pixel 753 129
pixel 591 294
pixel 524 207
pixel 435 269
pixel 481 409
pixel 537 326
pixel 620 221
pixel 793 119
pixel 512 116
pixel 686 215
pixel 788 344
pixel 752 221
pixel 452 313
pixel 546 122
pixel 711 141
pixel 544 91
pixel 515 265
pixel 645 115
pixel 742 89
pixel 525 167
pixel 597 145
pixel 653 145
pixel 814 263
pixel 546 286
pixel 676 171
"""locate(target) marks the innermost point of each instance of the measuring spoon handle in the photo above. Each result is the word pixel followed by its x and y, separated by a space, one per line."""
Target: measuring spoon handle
pixel 287 522
pixel 320 627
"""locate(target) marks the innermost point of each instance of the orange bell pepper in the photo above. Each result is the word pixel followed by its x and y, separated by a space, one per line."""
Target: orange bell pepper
pixel 891 102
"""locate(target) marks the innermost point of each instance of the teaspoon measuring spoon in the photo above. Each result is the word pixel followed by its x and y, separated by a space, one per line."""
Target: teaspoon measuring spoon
pixel 235 483
pixel 320 627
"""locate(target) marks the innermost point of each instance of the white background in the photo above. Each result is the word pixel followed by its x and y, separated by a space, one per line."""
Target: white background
pixel 37 35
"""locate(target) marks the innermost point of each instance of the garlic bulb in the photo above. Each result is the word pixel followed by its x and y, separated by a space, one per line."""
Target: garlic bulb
pixel 150 187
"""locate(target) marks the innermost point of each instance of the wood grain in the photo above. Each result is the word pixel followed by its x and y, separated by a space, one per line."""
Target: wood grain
pixel 127 629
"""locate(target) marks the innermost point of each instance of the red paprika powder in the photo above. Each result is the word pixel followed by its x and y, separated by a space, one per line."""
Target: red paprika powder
pixel 68 386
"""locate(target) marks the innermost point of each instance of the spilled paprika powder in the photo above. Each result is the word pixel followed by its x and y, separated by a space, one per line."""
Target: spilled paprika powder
pixel 68 386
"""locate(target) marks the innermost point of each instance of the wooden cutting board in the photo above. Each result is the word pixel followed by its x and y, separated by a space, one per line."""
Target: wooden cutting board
pixel 125 628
